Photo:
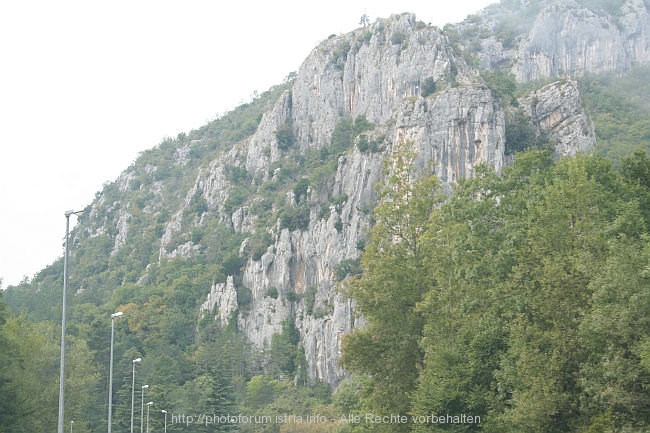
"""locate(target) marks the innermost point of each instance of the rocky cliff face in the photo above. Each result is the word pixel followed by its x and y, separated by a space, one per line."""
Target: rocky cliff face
pixel 564 38
pixel 412 82
pixel 377 72
pixel 557 112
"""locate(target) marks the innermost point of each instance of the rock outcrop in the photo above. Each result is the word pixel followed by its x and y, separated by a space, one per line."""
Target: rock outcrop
pixel 455 128
pixel 556 110
pixel 416 87
pixel 566 39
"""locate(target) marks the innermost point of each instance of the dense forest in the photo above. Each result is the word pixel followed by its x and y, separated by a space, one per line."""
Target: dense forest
pixel 522 299
pixel 512 301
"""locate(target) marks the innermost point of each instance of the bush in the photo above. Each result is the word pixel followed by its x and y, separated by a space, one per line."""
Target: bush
pixel 231 265
pixel 310 298
pixel 339 200
pixel 259 244
pixel 295 218
pixel 236 197
pixel 365 145
pixel 341 51
pixel 397 37
pixel 198 204
pixel 235 174
pixel 300 190
pixel 428 87
pixel 342 135
pixel 293 296
pixel 502 84
pixel 272 292
pixel 362 144
pixel 285 137
pixel 338 224
pixel 521 134
pixel 244 296
pixel 347 267
pixel 361 124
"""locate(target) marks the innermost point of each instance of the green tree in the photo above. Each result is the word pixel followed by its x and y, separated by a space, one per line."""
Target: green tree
pixel 616 331
pixel 285 137
pixel 502 84
pixel 28 366
pixel 526 264
pixel 11 410
pixel 428 87
pixel 393 282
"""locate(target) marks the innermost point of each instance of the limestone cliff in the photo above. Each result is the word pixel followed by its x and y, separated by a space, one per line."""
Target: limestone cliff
pixel 399 82
pixel 377 72
pixel 563 38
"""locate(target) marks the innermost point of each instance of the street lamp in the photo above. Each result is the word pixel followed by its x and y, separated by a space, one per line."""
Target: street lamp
pixel 142 410
pixel 148 406
pixel 165 412
pixel 135 361
pixel 71 422
pixel 63 314
pixel 110 375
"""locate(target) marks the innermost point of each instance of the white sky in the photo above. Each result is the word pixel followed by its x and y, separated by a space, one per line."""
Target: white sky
pixel 86 85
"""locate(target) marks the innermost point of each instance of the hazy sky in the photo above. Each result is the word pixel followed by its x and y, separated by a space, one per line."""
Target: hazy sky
pixel 87 85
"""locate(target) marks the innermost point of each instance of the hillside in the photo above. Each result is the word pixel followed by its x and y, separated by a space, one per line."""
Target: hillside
pixel 249 256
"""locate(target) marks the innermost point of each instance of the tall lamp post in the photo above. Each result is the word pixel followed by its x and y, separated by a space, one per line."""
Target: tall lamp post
pixel 135 361
pixel 63 314
pixel 142 409
pixel 148 406
pixel 165 412
pixel 110 374
pixel 71 422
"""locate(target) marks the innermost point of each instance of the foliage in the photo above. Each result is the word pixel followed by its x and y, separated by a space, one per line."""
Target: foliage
pixel 272 292
pixel 342 134
pixel 347 267
pixel 284 136
pixel 300 190
pixel 397 37
pixel 366 145
pixel 340 51
pixel 428 87
pixel 28 385
pixel 285 351
pixel 295 218
pixel 521 134
pixel 620 109
pixel 388 349
pixel 309 297
pixel 502 84
pixel 531 312
pixel 347 130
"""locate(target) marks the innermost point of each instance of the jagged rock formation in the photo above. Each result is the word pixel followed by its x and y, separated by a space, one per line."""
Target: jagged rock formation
pixel 418 87
pixel 567 39
pixel 557 112
pixel 366 73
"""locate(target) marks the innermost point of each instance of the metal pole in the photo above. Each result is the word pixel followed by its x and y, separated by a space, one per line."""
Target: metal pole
pixel 142 410
pixel 71 422
pixel 165 412
pixel 148 406
pixel 110 375
pixel 135 361
pixel 63 314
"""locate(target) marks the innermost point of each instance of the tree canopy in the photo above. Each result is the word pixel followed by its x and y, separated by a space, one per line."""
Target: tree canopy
pixel 524 303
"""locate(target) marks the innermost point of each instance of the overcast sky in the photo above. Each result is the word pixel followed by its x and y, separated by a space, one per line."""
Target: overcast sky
pixel 87 85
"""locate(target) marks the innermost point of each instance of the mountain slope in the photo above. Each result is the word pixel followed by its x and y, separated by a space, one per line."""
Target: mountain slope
pixel 255 217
